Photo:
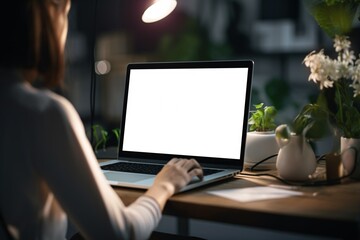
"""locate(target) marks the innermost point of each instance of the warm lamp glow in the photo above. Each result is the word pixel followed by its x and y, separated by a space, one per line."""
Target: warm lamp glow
pixel 158 10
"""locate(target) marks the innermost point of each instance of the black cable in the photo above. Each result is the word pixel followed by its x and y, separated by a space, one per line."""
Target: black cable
pixel 260 162
pixel 304 183
pixel 296 183
pixel 321 158
pixel 93 75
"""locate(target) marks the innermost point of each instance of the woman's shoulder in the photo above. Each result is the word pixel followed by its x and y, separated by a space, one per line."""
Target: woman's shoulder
pixel 54 104
pixel 55 100
pixel 44 100
pixel 55 113
pixel 23 99
pixel 43 103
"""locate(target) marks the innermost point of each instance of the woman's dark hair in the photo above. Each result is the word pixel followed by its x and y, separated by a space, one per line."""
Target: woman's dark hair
pixel 29 39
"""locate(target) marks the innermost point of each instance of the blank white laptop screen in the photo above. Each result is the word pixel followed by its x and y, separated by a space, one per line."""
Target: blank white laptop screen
pixel 194 112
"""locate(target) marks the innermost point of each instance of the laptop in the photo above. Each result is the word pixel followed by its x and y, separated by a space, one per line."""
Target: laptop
pixel 186 110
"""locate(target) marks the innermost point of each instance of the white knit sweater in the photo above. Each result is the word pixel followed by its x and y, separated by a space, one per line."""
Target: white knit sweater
pixel 48 172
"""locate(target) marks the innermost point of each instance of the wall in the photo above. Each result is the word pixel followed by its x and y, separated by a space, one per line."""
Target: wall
pixel 231 29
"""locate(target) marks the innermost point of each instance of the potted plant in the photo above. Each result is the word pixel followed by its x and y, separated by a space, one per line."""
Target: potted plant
pixel 101 141
pixel 296 159
pixel 339 83
pixel 261 135
pixel 339 79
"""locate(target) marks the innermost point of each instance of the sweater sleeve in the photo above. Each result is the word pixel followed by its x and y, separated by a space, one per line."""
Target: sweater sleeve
pixel 141 212
pixel 67 164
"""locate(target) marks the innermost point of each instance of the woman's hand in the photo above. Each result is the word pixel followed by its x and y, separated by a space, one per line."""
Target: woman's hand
pixel 175 175
pixel 178 173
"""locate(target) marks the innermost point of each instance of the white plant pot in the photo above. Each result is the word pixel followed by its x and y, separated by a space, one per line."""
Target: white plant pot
pixel 350 156
pixel 260 145
pixel 296 159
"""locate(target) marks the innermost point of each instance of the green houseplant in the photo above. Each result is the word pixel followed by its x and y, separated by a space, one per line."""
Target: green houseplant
pixel 339 82
pixel 311 123
pixel 339 79
pixel 335 17
pixel 262 119
pixel 102 137
pixel 296 158
pixel 261 135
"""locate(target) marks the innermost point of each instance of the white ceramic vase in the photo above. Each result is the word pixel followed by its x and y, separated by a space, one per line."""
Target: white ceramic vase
pixel 350 156
pixel 296 160
pixel 260 145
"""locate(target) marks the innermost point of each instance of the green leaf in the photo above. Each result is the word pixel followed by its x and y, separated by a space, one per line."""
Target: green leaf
pixel 313 122
pixel 116 132
pixel 263 118
pixel 100 137
pixel 334 18
pixel 259 106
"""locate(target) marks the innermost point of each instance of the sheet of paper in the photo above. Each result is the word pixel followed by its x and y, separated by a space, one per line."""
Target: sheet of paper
pixel 255 193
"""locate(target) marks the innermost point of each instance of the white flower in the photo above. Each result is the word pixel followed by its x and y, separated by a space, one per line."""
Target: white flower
pixel 357 62
pixel 334 69
pixel 356 86
pixel 348 57
pixel 343 70
pixel 325 71
pixel 341 43
pixel 322 69
pixel 356 80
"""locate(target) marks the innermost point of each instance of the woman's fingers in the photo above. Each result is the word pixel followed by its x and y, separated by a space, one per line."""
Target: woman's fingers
pixel 191 166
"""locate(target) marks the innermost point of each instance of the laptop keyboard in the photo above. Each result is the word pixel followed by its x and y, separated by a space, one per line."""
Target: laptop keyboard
pixel 152 169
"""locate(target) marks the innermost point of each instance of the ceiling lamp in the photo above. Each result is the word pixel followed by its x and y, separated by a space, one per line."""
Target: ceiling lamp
pixel 158 10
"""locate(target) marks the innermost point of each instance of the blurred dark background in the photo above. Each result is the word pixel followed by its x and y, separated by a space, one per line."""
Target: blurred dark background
pixel 276 34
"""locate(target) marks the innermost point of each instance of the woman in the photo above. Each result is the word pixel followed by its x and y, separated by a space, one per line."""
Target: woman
pixel 48 171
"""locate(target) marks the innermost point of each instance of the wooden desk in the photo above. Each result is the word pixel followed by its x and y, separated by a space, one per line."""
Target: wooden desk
pixel 330 211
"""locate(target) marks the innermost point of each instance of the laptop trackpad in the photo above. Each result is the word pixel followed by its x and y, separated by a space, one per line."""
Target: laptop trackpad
pixel 126 177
